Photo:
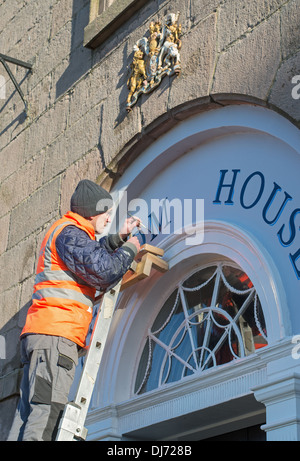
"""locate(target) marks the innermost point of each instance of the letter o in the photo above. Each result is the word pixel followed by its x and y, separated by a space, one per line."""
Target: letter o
pixel 262 186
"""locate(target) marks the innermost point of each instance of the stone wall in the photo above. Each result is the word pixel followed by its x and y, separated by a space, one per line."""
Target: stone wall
pixel 77 126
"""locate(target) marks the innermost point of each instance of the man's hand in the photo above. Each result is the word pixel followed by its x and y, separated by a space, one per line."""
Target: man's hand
pixel 129 225
pixel 135 242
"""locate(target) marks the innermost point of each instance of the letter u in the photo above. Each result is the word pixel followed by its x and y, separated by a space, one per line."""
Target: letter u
pixel 268 204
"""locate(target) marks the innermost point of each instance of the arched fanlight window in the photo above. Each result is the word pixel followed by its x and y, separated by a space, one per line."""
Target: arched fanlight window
pixel 213 317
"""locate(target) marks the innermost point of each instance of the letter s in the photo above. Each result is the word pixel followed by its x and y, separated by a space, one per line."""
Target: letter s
pixel 292 229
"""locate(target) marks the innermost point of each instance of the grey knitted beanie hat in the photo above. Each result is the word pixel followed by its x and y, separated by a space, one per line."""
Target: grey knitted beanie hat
pixel 90 199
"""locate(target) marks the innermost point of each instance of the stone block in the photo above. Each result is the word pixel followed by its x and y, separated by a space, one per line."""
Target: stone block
pixel 12 156
pixel 83 135
pixel 237 18
pixel 7 14
pixel 250 64
pixel 28 29
pixel 37 210
pixel 199 10
pixel 47 127
pixel 4 230
pixel 26 295
pixel 88 92
pixel 21 184
pixel 78 139
pixel 37 136
pixel 197 63
pixel 9 303
pixel 117 128
pixel 290 28
pixel 61 14
pixel 41 97
pixel 24 259
pixel 52 53
pixel 155 104
pixel 283 89
pixel 56 157
pixel 17 264
pixel 89 167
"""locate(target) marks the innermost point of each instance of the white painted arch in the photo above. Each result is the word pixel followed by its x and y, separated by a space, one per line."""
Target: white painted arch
pixel 229 239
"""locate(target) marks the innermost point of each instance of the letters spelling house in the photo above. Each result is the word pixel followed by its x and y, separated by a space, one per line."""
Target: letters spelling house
pixel 190 110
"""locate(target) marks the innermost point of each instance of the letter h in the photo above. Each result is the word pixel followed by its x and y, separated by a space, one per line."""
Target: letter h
pixel 230 185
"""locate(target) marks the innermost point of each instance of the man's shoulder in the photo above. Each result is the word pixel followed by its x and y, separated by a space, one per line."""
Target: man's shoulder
pixel 71 234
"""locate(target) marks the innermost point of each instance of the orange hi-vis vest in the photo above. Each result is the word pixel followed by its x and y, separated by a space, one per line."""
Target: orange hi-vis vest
pixel 62 302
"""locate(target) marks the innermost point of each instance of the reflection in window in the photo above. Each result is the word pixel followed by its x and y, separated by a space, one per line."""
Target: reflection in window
pixel 211 318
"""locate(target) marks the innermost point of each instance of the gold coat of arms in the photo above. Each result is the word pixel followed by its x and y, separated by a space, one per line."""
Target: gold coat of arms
pixel 155 56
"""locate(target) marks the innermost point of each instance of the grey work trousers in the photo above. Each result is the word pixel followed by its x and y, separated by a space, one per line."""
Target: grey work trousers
pixel 49 368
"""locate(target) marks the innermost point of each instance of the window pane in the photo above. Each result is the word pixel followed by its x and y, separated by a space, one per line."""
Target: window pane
pixel 211 318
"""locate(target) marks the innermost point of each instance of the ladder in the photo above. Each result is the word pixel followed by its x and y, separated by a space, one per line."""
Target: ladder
pixel 71 426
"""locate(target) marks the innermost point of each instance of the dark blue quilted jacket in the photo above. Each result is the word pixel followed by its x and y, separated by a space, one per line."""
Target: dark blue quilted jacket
pixel 100 264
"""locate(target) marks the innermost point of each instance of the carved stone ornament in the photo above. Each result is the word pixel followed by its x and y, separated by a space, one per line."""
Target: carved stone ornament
pixel 155 56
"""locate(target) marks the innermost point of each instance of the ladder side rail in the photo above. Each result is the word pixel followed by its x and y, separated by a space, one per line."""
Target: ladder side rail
pixel 95 350
pixel 72 421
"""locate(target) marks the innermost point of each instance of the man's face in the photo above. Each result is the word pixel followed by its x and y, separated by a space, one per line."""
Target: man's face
pixel 100 221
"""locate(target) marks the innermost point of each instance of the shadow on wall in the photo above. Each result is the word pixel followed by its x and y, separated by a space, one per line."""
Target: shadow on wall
pixel 80 58
pixel 12 103
pixel 10 369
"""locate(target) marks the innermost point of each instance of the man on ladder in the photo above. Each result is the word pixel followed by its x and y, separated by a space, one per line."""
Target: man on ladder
pixel 72 265
pixel 71 426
